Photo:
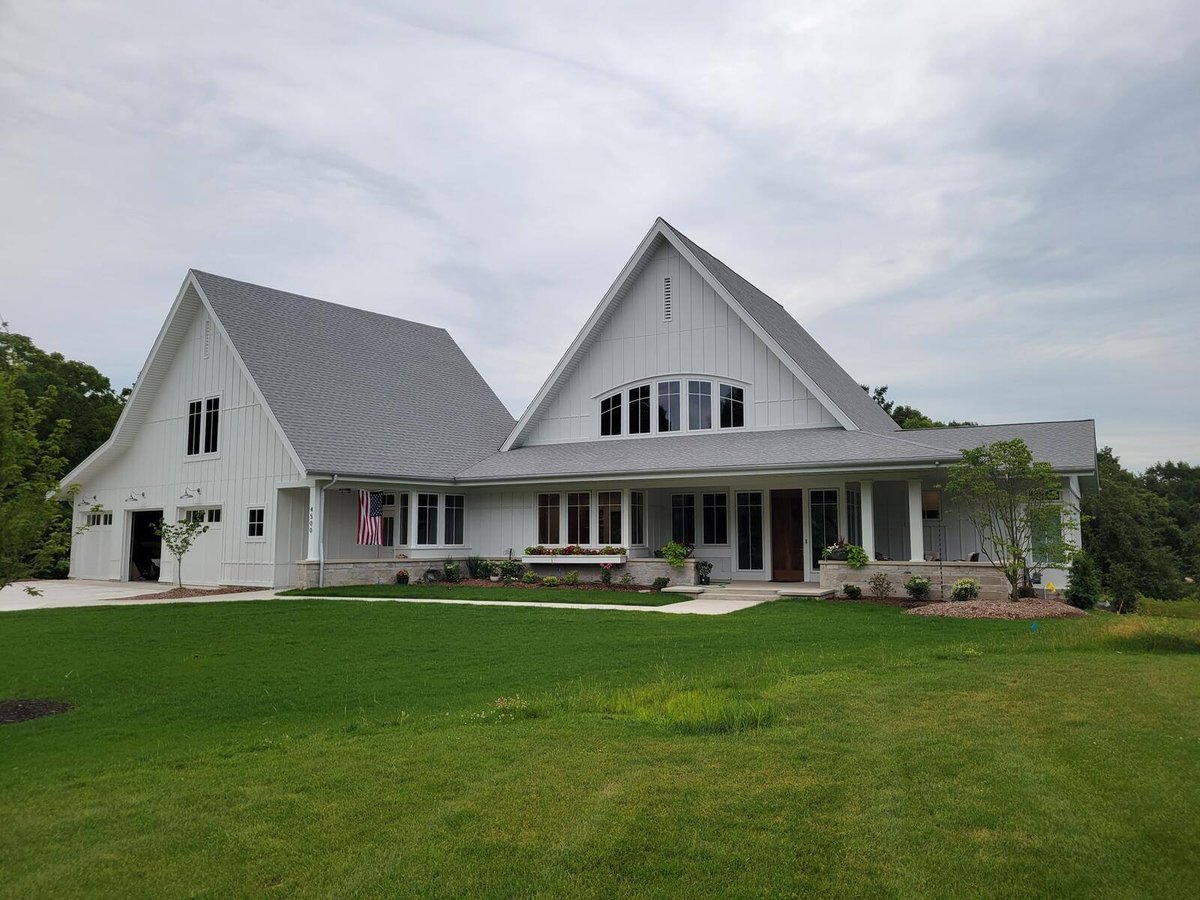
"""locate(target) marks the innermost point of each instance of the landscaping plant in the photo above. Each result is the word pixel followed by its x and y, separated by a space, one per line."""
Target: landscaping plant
pixel 965 589
pixel 402 576
pixel 1084 588
pixel 572 577
pixel 852 591
pixel 452 572
pixel 511 569
pixel 479 568
pixel 660 582
pixel 675 553
pixel 917 587
pixel 1016 506
pixel 550 581
pixel 881 585
pixel 178 539
pixel 606 573
pixel 530 577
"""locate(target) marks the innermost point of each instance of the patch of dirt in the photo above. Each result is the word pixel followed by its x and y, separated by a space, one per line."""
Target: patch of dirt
pixel 1032 608
pixel 24 710
pixel 184 593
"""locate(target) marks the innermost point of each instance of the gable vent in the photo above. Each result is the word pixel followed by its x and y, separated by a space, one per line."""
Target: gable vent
pixel 667 299
pixel 207 338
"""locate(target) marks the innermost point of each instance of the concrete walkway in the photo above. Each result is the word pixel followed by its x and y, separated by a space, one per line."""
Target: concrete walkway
pixel 78 593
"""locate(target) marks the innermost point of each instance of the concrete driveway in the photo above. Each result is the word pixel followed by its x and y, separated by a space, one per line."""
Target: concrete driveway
pixel 79 592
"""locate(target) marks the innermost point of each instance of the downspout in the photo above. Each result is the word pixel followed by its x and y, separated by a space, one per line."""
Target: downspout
pixel 321 555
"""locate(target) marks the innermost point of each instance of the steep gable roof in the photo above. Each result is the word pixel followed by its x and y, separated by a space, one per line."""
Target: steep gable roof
pixel 357 392
pixel 797 350
pixel 796 342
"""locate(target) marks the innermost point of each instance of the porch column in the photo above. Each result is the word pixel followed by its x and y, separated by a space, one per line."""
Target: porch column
pixel 626 520
pixel 916 530
pixel 867 501
pixel 315 520
pixel 843 515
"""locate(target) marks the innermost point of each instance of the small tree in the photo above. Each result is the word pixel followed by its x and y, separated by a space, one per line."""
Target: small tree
pixel 1084 588
pixel 178 539
pixel 1015 504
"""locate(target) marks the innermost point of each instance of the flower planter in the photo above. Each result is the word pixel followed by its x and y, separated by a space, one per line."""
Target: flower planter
pixel 574 559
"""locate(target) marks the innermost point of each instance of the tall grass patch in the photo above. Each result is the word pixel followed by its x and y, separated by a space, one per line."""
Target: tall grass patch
pixel 691 710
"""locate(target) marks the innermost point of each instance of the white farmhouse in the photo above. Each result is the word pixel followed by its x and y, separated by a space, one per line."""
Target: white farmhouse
pixel 691 407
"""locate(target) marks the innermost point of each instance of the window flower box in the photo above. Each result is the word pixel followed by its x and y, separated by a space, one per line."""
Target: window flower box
pixel 574 559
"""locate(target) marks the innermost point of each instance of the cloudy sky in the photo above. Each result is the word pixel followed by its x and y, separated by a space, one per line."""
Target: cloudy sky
pixel 992 208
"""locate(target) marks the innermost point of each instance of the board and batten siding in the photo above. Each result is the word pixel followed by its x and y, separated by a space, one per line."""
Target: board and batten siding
pixel 703 337
pixel 251 463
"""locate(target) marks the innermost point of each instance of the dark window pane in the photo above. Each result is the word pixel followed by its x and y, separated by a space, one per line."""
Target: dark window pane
pixel 609 506
pixel 455 506
pixel 548 518
pixel 579 518
pixel 193 428
pixel 637 515
pixel 699 404
pixel 212 415
pixel 823 510
pixel 427 518
pixel 683 518
pixel 668 406
pixel 389 530
pixel 639 410
pixel 716 519
pixel 610 415
pixel 750 534
pixel 402 511
pixel 733 406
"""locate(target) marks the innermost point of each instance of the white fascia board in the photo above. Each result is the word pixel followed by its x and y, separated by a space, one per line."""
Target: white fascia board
pixel 584 333
pixel 763 335
pixel 237 355
pixel 139 388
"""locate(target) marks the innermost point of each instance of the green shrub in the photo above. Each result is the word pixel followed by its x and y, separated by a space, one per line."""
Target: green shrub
pixel 606 573
pixel 626 579
pixel 917 587
pixel 703 570
pixel 402 576
pixel 675 553
pixel 511 569
pixel 571 577
pixel 853 591
pixel 856 556
pixel 1084 588
pixel 550 581
pixel 1122 588
pixel 965 589
pixel 881 585
pixel 660 582
pixel 531 577
pixel 452 572
pixel 479 568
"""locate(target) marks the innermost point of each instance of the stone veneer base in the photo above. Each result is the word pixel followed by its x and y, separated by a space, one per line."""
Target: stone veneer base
pixel 992 585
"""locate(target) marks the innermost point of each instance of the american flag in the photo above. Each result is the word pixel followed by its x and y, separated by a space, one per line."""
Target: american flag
pixel 370 517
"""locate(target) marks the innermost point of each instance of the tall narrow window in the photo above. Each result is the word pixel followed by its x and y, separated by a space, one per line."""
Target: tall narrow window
pixel 749 530
pixel 716 518
pixel 547 518
pixel 668 406
pixel 639 410
pixel 194 426
pixel 609 505
pixel 402 509
pixel 579 518
pixel 733 406
pixel 256 518
pixel 427 518
pixel 212 416
pixel 389 531
pixel 854 515
pixel 455 507
pixel 699 404
pixel 610 415
pixel 637 517
pixel 683 518
pixel 667 299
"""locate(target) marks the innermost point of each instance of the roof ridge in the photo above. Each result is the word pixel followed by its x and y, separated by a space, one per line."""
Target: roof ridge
pixel 1000 424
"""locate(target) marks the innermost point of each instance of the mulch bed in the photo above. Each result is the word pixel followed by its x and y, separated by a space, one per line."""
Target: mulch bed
pixel 581 586
pixel 1032 608
pixel 184 593
pixel 24 710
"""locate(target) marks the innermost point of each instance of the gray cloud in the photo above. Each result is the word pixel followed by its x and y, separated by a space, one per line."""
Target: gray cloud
pixel 992 209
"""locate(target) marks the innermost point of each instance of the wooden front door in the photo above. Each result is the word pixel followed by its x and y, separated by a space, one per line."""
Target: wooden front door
pixel 787 535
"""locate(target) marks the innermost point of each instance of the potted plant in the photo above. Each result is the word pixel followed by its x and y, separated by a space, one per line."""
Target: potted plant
pixel 836 552
pixel 494 572
pixel 703 571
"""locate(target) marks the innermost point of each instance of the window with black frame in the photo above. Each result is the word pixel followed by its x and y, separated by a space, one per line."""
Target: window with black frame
pixel 639 410
pixel 683 518
pixel 716 518
pixel 610 415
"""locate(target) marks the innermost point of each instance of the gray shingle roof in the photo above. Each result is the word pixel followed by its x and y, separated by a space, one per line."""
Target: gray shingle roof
pixel 1066 445
pixel 358 392
pixel 796 343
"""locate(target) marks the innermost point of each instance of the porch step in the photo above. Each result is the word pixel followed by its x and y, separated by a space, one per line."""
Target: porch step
pixel 805 590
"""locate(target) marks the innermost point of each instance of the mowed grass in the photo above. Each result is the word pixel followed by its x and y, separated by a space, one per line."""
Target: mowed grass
pixel 326 748
pixel 500 592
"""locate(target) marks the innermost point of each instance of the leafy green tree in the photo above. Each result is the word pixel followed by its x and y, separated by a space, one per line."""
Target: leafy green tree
pixel 907 416
pixel 1084 589
pixel 1015 505
pixel 178 539
pixel 30 466
pixel 1127 525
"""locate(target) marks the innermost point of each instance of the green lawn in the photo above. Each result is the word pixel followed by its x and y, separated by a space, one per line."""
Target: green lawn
pixel 500 592
pixel 317 748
